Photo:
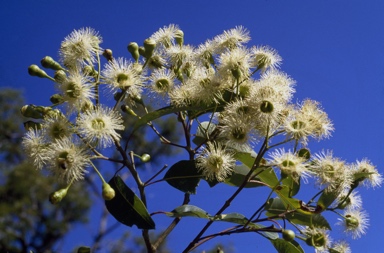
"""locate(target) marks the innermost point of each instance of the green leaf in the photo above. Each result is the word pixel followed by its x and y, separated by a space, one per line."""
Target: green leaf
pixel 184 176
pixel 203 131
pixel 326 199
pixel 283 246
pixel 276 206
pixel 188 210
pixel 238 176
pixel 266 175
pixel 126 207
pixel 292 186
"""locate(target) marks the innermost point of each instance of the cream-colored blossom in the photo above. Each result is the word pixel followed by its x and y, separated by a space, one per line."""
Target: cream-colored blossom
pixel 35 147
pixel 355 222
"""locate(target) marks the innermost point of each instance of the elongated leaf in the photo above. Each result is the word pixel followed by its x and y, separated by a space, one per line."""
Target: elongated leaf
pixel 188 210
pixel 184 176
pixel 326 199
pixel 238 176
pixel 126 207
pixel 203 131
pixel 283 246
pixel 240 219
pixel 292 186
pixel 276 206
pixel 266 175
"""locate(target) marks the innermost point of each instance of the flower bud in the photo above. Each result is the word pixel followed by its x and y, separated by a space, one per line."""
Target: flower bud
pixel 108 192
pixel 236 73
pixel 34 70
pixel 32 111
pixel 317 240
pixel 108 54
pixel 142 51
pixel 149 46
pixel 288 235
pixel 179 37
pixel 133 48
pixel 30 125
pixel 49 63
pixel 83 249
pixel 89 70
pixel 145 158
pixel 57 196
pixel 128 110
pixel 56 99
pixel 60 76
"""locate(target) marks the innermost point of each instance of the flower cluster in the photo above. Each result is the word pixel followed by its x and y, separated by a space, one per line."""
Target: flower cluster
pixel 240 99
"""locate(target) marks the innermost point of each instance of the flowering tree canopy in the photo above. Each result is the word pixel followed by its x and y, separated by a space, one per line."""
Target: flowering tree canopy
pixel 234 106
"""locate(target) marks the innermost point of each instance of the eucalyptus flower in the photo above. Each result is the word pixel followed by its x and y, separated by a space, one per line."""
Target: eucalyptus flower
pixel 35 147
pixel 355 222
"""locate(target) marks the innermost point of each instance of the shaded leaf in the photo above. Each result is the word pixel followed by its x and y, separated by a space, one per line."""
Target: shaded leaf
pixel 283 246
pixel 126 207
pixel 266 175
pixel 238 176
pixel 184 176
pixel 326 199
pixel 292 186
pixel 203 131
pixel 188 210
pixel 276 206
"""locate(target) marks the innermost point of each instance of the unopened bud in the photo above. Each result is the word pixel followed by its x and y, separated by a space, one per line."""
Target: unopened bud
pixel 145 158
pixel 49 63
pixel 236 73
pixel 34 70
pixel 57 196
pixel 83 249
pixel 56 99
pixel 108 54
pixel 288 235
pixel 108 192
pixel 142 51
pixel 128 110
pixel 179 37
pixel 88 70
pixel 60 76
pixel 31 111
pixel 149 46
pixel 133 48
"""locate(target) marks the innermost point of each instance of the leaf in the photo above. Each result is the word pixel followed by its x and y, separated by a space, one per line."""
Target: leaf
pixel 276 206
pixel 266 175
pixel 203 131
pixel 292 186
pixel 238 176
pixel 184 176
pixel 283 246
pixel 326 199
pixel 126 207
pixel 188 210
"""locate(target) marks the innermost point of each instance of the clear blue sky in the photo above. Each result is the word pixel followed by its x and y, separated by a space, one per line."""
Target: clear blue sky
pixel 333 49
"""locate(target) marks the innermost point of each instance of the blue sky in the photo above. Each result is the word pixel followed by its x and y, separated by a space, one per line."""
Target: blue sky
pixel 333 49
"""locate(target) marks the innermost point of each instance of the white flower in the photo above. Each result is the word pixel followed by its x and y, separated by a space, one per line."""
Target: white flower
pixel 372 177
pixel 317 238
pixel 35 147
pixel 122 74
pixel 165 36
pixel 235 63
pixel 162 81
pixel 100 125
pixel 351 201
pixel 289 164
pixel 56 126
pixel 67 160
pixel 231 39
pixel 79 47
pixel 341 247
pixel 355 222
pixel 178 55
pixel 77 91
pixel 265 57
pixel 215 162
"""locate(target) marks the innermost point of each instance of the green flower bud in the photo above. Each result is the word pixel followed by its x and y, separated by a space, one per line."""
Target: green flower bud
pixel 84 249
pixel 108 192
pixel 133 48
pixel 29 125
pixel 117 95
pixel 149 46
pixel 304 153
pixel 142 52
pixel 236 73
pixel 128 110
pixel 56 99
pixel 49 63
pixel 88 70
pixel 288 235
pixel 34 70
pixel 60 76
pixel 179 37
pixel 57 196
pixel 317 240
pixel 145 158
pixel 32 111
pixel 108 54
